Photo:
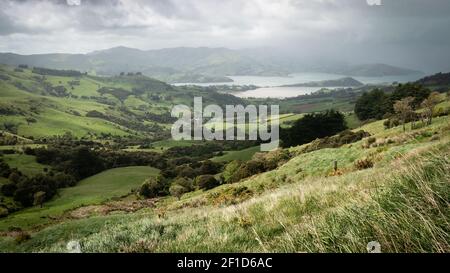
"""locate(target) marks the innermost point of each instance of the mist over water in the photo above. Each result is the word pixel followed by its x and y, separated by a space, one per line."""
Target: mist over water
pixel 272 87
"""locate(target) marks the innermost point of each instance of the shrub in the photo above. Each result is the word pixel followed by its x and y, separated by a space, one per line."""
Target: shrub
pixel 3 212
pixel 28 187
pixel 230 169
pixel 64 180
pixel 440 112
pixel 231 196
pixel 177 190
pixel 248 169
pixel 185 182
pixel 21 237
pixel 15 176
pixel 186 171
pixel 336 141
pixel 29 151
pixel 8 189
pixel 206 182
pixel 209 167
pixel 39 198
pixel 362 164
pixel 371 140
pixel 152 188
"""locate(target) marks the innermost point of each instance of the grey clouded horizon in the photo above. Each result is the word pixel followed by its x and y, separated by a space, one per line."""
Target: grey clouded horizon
pixel 409 33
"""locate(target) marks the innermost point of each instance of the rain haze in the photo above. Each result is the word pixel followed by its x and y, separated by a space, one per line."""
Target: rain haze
pixel 407 33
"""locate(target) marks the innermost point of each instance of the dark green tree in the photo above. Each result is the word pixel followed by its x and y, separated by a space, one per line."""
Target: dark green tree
pixel 372 105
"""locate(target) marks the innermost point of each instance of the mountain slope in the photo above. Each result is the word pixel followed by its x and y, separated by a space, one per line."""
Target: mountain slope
pixel 194 64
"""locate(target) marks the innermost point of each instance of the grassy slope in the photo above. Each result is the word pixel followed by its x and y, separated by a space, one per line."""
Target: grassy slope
pixel 25 163
pixel 244 155
pixel 297 207
pixel 54 117
pixel 93 190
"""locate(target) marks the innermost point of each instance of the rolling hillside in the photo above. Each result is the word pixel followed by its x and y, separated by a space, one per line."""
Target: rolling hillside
pixel 114 183
pixel 37 103
pixel 301 206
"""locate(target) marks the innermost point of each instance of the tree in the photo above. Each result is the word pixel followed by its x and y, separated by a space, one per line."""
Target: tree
pixel 404 109
pixel 428 104
pixel 8 189
pixel 372 105
pixel 313 126
pixel 39 198
pixel 85 163
pixel 416 91
pixel 15 176
pixel 27 188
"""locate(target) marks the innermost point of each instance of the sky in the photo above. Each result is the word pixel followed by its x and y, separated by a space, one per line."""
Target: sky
pixel 409 33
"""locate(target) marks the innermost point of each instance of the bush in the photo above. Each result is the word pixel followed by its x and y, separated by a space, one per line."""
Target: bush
pixel 28 187
pixel 152 188
pixel 22 236
pixel 248 169
pixel 209 167
pixel 365 163
pixel 5 170
pixel 185 171
pixel 230 169
pixel 231 196
pixel 15 176
pixel 177 190
pixel 336 141
pixel 185 182
pixel 29 151
pixel 206 182
pixel 371 140
pixel 3 212
pixel 64 180
pixel 8 189
pixel 440 112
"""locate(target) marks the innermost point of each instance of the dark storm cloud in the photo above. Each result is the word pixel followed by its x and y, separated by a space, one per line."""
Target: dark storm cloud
pixel 408 32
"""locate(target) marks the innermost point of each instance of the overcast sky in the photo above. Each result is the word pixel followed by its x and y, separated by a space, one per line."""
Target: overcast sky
pixel 412 33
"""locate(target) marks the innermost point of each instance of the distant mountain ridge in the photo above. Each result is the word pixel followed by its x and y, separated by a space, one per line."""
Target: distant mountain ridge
pixel 194 64
pixel 439 79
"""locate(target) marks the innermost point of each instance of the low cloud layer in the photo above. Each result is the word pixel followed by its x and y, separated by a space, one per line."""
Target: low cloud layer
pixel 411 33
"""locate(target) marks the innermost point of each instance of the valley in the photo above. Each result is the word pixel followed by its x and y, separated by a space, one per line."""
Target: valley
pixel 91 159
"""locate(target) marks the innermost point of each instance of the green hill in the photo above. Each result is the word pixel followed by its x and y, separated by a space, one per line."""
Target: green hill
pixel 93 190
pixel 302 206
pixel 43 102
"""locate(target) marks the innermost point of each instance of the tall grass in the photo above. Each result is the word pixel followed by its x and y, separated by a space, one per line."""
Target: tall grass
pixel 410 214
pixel 406 211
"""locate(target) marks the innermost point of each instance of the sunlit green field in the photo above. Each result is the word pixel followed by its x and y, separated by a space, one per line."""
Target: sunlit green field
pixel 93 190
pixel 243 155
pixel 25 163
